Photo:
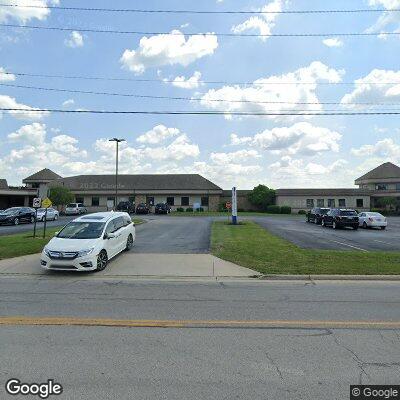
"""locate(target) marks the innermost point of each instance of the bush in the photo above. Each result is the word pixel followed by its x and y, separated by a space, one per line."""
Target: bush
pixel 189 209
pixel 180 209
pixel 273 209
pixel 221 207
pixel 201 209
pixel 240 209
pixel 286 210
pixel 302 212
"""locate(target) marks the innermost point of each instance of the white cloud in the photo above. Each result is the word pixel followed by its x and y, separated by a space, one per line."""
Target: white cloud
pixel 74 40
pixel 157 135
pixel 264 23
pixel 234 157
pixel 69 102
pixel 4 77
pixel 23 14
pixel 283 97
pixel 386 19
pixel 10 103
pixel 34 133
pixel 372 88
pixel 189 83
pixel 386 149
pixel 168 49
pixel 332 42
pixel 301 138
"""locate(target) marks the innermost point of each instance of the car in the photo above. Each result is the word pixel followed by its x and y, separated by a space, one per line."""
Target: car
pixel 316 214
pixel 17 215
pixel 142 208
pixel 372 220
pixel 126 206
pixel 89 242
pixel 75 209
pixel 162 208
pixel 340 218
pixel 52 214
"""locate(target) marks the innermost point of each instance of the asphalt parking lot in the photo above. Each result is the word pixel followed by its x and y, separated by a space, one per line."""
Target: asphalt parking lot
pixel 311 236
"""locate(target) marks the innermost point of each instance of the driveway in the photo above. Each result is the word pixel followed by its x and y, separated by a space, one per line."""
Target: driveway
pixel 310 236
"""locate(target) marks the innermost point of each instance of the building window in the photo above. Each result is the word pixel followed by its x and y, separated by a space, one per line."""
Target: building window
pixel 320 202
pixel 184 201
pixel 171 201
pixel 381 186
pixel 132 199
pixel 110 200
pixel 310 203
pixel 204 201
pixel 342 202
pixel 95 201
pixel 331 203
pixel 360 203
pixel 150 200
pixel 397 186
pixel 78 199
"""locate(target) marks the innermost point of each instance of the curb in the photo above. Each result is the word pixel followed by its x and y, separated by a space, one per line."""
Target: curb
pixel 331 277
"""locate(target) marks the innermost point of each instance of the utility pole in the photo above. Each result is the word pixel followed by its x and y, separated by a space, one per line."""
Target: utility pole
pixel 117 141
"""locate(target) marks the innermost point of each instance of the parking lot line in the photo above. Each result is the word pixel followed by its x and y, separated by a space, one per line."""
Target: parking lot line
pixel 349 245
pixel 380 241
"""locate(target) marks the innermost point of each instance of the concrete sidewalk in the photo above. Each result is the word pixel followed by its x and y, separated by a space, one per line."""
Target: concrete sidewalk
pixel 135 264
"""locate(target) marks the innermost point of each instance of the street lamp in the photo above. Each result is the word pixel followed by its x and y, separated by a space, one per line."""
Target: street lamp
pixel 117 141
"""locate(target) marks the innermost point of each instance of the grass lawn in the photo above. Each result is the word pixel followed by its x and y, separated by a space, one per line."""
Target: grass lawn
pixel 22 244
pixel 251 246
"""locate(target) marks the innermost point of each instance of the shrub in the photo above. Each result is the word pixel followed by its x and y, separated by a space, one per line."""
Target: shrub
pixel 201 209
pixel 180 209
pixel 240 209
pixel 272 209
pixel 302 212
pixel 189 209
pixel 286 210
pixel 221 207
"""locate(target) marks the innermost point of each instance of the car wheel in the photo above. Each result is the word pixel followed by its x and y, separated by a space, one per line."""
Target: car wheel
pixel 365 225
pixel 355 227
pixel 32 220
pixel 323 223
pixel 383 227
pixel 56 217
pixel 102 260
pixel 16 221
pixel 129 243
pixel 308 219
pixel 334 226
pixel 42 219
pixel 316 221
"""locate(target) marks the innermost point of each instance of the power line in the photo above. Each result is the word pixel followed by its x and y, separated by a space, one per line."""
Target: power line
pixel 227 113
pixel 161 11
pixel 221 34
pixel 145 96
pixel 139 80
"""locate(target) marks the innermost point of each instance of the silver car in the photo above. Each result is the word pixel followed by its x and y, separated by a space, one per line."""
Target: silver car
pixel 372 220
pixel 52 214
pixel 75 209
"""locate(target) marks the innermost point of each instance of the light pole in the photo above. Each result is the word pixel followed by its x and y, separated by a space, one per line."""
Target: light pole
pixel 117 141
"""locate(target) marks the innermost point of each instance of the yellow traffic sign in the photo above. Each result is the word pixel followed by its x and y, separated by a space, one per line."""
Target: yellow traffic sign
pixel 46 203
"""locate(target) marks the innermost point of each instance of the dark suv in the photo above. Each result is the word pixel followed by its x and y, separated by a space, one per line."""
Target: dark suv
pixel 338 218
pixel 162 208
pixel 142 208
pixel 17 215
pixel 126 206
pixel 316 214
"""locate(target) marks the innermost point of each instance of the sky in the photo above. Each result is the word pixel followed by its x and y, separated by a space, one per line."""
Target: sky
pixel 247 72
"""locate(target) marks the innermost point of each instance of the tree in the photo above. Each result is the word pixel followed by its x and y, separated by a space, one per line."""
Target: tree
pixel 60 196
pixel 390 202
pixel 262 197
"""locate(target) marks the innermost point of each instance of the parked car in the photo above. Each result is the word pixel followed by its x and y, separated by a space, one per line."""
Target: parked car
pixel 88 243
pixel 17 215
pixel 372 220
pixel 126 206
pixel 316 214
pixel 142 208
pixel 162 208
pixel 52 214
pixel 340 218
pixel 75 209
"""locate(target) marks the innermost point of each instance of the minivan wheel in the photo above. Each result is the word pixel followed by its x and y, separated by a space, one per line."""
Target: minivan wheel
pixel 129 243
pixel 102 260
pixel 16 221
pixel 365 225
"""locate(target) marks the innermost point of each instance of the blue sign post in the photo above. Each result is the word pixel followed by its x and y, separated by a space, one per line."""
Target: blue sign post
pixel 234 206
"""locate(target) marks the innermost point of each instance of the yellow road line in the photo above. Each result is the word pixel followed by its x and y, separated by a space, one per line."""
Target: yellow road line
pixel 72 321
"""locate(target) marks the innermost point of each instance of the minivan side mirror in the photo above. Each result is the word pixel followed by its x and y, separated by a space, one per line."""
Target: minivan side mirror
pixel 109 236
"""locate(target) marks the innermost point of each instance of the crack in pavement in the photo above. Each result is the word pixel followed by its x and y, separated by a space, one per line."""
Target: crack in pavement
pixel 274 364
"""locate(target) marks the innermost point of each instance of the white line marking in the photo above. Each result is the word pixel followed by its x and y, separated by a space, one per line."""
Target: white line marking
pixel 380 241
pixel 349 245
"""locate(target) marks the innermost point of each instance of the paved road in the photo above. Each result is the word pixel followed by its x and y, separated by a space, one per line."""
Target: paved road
pixel 310 236
pixel 204 363
pixel 10 229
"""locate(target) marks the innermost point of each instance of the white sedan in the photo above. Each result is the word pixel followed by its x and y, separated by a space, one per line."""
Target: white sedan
pixel 87 243
pixel 372 220
pixel 52 214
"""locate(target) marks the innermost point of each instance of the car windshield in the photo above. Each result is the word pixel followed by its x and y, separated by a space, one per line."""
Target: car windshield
pixel 10 211
pixel 348 212
pixel 82 230
pixel 374 214
pixel 71 205
pixel 324 211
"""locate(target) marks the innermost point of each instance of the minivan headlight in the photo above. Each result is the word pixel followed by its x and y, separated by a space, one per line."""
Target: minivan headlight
pixel 46 251
pixel 86 252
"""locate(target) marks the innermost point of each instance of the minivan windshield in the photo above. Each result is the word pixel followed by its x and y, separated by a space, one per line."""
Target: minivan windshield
pixel 82 230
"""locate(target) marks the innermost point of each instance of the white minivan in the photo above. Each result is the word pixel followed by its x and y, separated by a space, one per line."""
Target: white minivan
pixel 87 243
